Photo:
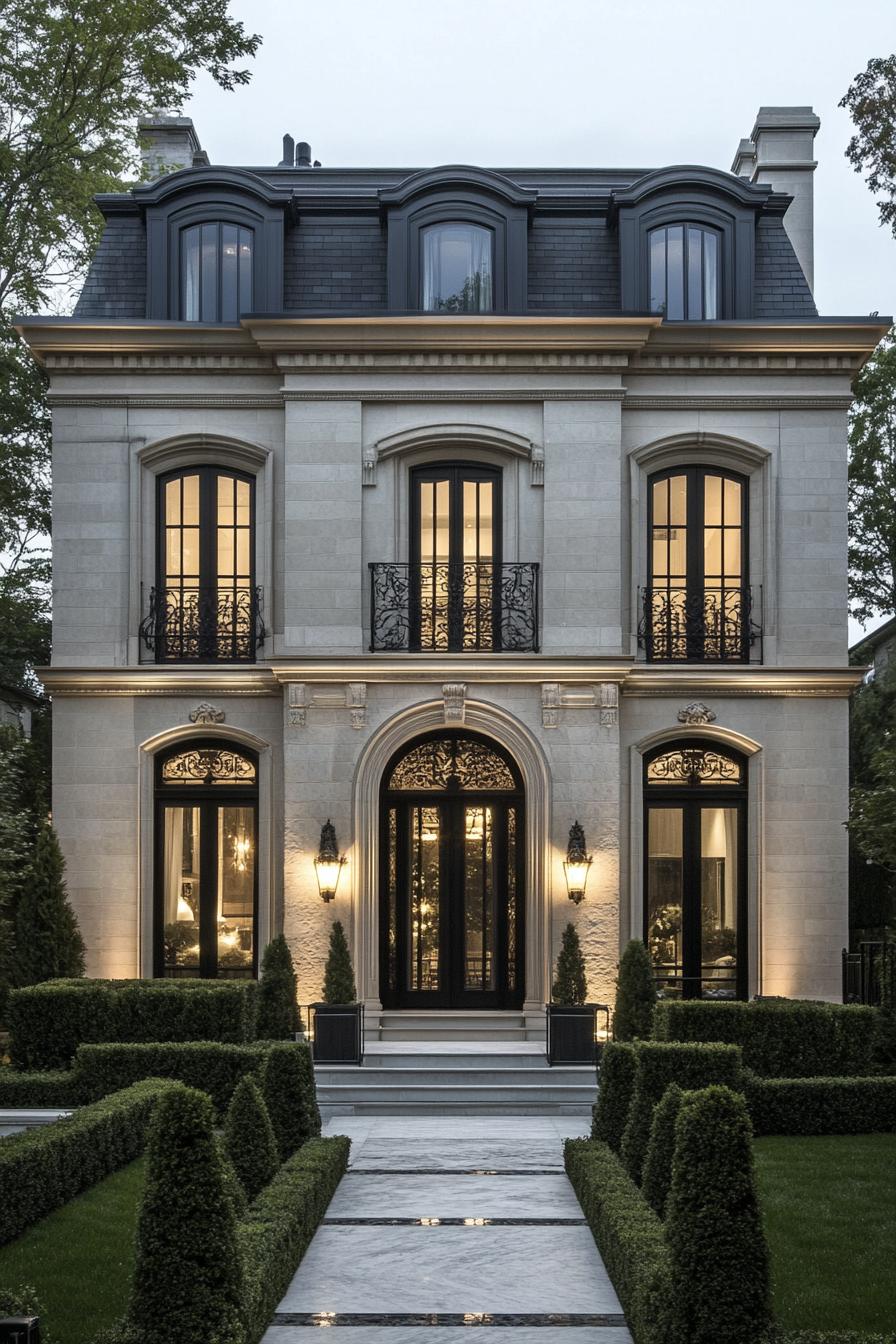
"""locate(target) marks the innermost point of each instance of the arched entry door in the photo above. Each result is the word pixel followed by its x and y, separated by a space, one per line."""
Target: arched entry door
pixel 451 882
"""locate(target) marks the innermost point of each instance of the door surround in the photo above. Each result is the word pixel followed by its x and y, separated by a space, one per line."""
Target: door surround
pixel 492 722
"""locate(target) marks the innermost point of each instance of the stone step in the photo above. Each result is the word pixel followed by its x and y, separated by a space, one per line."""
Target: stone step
pixel 439 1096
pixel 420 1025
pixel 453 1055
pixel 481 1075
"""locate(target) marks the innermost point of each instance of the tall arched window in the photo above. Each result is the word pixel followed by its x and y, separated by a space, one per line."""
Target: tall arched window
pixel 206 884
pixel 205 605
pixel 697 603
pixel 457 268
pixel 216 272
pixel 695 870
pixel 684 262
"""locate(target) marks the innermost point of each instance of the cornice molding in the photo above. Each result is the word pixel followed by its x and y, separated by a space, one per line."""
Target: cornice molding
pixel 633 679
pixel 184 401
pixel 726 402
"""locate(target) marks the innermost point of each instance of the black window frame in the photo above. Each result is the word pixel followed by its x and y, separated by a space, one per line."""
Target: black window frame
pixel 703 228
pixel 180 253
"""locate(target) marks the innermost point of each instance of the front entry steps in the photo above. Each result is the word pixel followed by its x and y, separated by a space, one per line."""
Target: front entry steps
pixel 455 1078
pixel 454 1025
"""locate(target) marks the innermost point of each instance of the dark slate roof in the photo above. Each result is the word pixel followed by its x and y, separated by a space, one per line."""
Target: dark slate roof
pixel 779 288
pixel 116 282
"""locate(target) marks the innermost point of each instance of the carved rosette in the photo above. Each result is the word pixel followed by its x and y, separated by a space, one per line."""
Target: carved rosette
pixel 206 713
pixel 696 713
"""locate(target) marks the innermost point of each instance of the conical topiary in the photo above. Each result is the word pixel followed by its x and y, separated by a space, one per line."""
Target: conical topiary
pixel 339 978
pixel 278 1011
pixel 571 984
pixel 187 1273
pixel 287 1086
pixel 48 942
pixel 249 1137
pixel 657 1173
pixel 635 994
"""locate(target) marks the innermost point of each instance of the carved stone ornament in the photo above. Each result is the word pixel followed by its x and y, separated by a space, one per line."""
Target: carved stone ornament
pixel 695 713
pixel 550 704
pixel 454 695
pixel 206 713
pixel 298 709
pixel 356 702
pixel 608 700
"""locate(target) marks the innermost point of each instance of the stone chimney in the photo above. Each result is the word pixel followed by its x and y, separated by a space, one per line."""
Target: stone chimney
pixel 780 153
pixel 168 144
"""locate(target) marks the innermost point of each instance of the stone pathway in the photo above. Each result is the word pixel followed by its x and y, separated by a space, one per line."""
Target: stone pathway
pixel 445 1228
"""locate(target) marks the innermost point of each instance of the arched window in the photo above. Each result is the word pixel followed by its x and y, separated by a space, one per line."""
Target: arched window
pixel 697 603
pixel 205 605
pixel 695 870
pixel 206 885
pixel 216 261
pixel 684 262
pixel 457 268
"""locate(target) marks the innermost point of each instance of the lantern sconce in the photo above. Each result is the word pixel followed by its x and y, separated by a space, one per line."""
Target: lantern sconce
pixel 329 863
pixel 576 864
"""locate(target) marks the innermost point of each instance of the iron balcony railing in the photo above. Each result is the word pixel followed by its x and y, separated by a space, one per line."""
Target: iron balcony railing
pixel 869 973
pixel 701 625
pixel 203 625
pixel 475 607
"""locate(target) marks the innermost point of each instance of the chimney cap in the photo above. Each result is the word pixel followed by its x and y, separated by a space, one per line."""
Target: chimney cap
pixel 786 119
pixel 303 154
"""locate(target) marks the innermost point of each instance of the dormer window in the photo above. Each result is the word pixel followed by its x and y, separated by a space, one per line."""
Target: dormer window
pixel 458 265
pixel 216 272
pixel 684 272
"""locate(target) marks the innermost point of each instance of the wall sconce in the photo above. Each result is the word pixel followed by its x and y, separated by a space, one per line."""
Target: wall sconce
pixel 329 864
pixel 576 864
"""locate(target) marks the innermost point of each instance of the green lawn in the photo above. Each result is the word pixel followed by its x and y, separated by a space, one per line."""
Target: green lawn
pixel 80 1259
pixel 829 1208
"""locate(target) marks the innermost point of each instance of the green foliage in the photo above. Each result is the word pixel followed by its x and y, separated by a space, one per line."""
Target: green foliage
pixel 49 1021
pixel 871 103
pixel 661 1149
pixel 48 941
pixel 187 1275
pixel 616 1084
pixel 21 1301
pixel 821 1105
pixel 872 486
pixel 40 1169
pixel 249 1137
pixel 290 1096
pixel 658 1065
pixel 212 1066
pixel 339 978
pixel 570 984
pixel 279 1225
pixel 720 1270
pixel 55 1089
pixel 24 790
pixel 635 994
pixel 278 1012
pixel 629 1236
pixel 780 1038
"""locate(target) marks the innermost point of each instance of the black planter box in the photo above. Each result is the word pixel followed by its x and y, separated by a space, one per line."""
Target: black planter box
pixel 571 1032
pixel 338 1033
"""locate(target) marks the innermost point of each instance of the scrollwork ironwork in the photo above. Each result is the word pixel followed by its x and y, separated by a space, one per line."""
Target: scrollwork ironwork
pixel 455 762
pixel 454 607
pixel 694 765
pixel 208 765
pixel 711 625
pixel 204 624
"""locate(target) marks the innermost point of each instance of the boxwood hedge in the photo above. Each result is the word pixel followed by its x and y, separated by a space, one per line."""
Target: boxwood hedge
pixel 615 1085
pixel 780 1038
pixel 48 1022
pixel 821 1105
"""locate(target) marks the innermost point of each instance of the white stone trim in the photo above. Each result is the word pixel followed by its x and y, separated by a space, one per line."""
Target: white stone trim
pixel 511 734
pixel 448 436
pixel 267 869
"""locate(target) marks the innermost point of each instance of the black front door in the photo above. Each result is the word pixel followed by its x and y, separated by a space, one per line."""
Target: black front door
pixel 452 934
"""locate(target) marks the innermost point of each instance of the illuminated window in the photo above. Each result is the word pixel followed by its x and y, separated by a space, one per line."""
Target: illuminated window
pixel 216 272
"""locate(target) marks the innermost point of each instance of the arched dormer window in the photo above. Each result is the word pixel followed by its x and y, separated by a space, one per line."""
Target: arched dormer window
pixel 216 262
pixel 457 242
pixel 684 263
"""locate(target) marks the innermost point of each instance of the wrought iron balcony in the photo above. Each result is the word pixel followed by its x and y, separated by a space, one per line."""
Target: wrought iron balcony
pixel 702 625
pixel 203 625
pixel 475 607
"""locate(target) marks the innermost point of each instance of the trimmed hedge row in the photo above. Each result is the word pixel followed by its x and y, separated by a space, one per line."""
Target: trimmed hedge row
pixel 616 1083
pixel 277 1228
pixel 629 1236
pixel 658 1065
pixel 54 1089
pixel 48 1022
pixel 780 1038
pixel 828 1337
pixel 42 1169
pixel 821 1105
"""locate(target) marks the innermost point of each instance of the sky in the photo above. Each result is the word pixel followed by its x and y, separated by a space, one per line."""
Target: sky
pixel 580 83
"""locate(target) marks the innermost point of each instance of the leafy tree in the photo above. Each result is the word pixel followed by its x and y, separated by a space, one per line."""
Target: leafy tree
pixel 75 77
pixel 48 942
pixel 249 1137
pixel 570 985
pixel 635 994
pixel 339 978
pixel 872 486
pixel 871 102
pixel 872 863
pixel 278 1012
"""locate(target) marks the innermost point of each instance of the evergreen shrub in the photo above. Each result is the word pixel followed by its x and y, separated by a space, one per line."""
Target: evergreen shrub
pixel 629 1237
pixel 278 1010
pixel 615 1086
pixel 720 1262
pixel 821 1105
pixel 662 1063
pixel 339 978
pixel 780 1038
pixel 188 1282
pixel 48 942
pixel 635 994
pixel 657 1176
pixel 249 1137
pixel 570 985
pixel 290 1096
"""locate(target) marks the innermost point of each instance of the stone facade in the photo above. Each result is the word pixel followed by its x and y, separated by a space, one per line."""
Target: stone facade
pixel 329 417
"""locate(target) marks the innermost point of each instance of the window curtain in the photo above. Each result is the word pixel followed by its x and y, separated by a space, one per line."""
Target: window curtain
pixel 174 861
pixel 457 269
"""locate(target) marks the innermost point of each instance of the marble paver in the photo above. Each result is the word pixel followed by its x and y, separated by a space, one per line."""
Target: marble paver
pixel 536 1276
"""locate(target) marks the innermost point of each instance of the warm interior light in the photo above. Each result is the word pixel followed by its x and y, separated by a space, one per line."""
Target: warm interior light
pixel 576 864
pixel 242 850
